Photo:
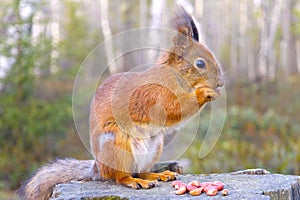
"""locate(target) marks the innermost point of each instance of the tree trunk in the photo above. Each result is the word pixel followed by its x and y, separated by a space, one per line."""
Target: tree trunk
pixel 267 60
pixel 249 44
pixel 274 23
pixel 262 63
pixel 143 13
pixel 199 9
pixel 234 47
pixel 298 55
pixel 289 52
pixel 55 35
pixel 243 41
pixel 107 35
pixel 157 9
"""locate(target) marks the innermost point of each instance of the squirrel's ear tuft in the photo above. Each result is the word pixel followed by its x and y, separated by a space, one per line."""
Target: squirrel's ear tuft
pixel 183 23
pixel 182 38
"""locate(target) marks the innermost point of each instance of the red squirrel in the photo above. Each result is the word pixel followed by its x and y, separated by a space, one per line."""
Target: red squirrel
pixel 132 113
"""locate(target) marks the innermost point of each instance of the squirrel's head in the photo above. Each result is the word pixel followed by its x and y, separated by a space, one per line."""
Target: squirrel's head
pixel 189 58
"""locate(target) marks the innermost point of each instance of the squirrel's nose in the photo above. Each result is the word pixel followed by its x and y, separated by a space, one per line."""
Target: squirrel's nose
pixel 220 82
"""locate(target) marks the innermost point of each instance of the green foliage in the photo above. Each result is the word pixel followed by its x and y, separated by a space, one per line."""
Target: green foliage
pixel 29 132
pixel 35 104
pixel 30 125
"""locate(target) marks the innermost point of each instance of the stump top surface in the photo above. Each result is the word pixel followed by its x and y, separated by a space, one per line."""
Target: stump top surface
pixel 271 186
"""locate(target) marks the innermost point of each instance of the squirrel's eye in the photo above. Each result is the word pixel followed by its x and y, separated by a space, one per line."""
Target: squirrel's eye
pixel 200 64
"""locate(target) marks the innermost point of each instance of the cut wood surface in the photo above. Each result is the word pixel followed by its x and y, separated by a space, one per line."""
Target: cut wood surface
pixel 240 186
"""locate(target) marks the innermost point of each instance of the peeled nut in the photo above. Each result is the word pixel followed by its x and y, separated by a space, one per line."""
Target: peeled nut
pixel 211 190
pixel 181 190
pixel 174 183
pixel 205 184
pixel 195 188
pixel 225 192
pixel 196 192
pixel 208 187
pixel 179 185
pixel 195 183
pixel 219 185
pixel 190 187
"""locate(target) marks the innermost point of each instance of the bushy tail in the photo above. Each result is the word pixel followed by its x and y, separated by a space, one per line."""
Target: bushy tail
pixel 40 185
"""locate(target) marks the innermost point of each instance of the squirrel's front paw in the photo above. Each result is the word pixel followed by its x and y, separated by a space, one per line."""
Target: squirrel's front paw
pixel 163 176
pixel 206 94
pixel 137 183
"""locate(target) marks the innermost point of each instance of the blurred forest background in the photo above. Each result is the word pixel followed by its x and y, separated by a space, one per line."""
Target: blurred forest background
pixel 43 43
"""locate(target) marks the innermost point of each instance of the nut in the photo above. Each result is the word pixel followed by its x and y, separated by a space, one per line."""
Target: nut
pixel 190 187
pixel 174 183
pixel 179 185
pixel 219 185
pixel 195 183
pixel 195 188
pixel 196 192
pixel 211 190
pixel 181 190
pixel 225 192
pixel 205 184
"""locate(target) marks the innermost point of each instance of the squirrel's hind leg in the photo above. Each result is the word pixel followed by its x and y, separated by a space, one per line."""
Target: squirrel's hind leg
pixel 114 160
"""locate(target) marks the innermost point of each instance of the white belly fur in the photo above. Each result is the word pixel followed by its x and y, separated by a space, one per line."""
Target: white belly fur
pixel 146 149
